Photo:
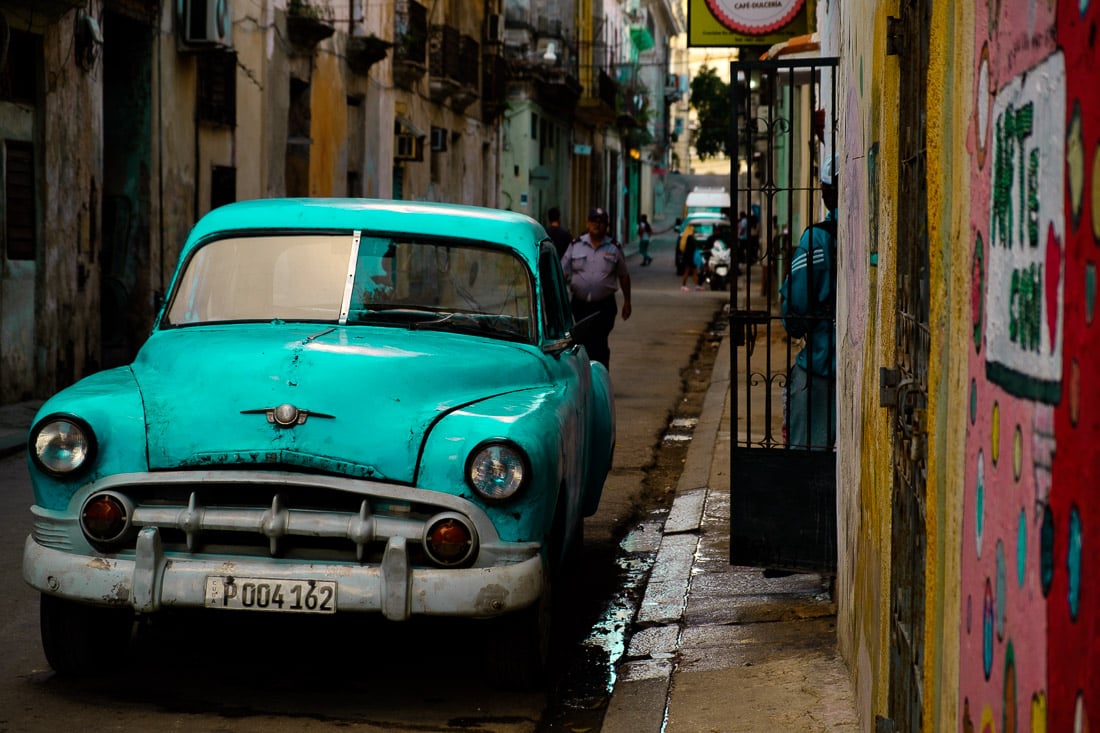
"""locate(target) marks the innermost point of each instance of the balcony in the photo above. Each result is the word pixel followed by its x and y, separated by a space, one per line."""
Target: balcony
pixel 469 51
pixel 494 86
pixel 600 103
pixel 672 89
pixel 443 59
pixel 410 27
pixel 548 66
pixel 363 52
pixel 307 25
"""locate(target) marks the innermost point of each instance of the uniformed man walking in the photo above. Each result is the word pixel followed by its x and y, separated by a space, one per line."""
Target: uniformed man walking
pixel 595 265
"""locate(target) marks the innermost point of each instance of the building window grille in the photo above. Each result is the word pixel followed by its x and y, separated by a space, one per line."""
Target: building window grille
pixel 217 93
pixel 19 198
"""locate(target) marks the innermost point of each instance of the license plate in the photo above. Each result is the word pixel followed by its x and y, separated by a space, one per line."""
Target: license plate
pixel 271 594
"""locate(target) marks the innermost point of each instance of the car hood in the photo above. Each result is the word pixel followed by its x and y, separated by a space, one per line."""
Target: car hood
pixel 365 397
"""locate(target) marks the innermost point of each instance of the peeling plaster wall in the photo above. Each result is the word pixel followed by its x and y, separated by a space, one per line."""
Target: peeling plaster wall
pixel 949 108
pixel 328 124
pixel 867 148
pixel 67 294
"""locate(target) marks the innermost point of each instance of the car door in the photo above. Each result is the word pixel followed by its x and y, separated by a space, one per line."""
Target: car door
pixel 569 365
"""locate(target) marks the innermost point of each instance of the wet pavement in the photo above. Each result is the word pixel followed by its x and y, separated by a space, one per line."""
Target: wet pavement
pixel 721 648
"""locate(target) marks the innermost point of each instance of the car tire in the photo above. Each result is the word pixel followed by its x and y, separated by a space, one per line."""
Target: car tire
pixel 518 646
pixel 81 639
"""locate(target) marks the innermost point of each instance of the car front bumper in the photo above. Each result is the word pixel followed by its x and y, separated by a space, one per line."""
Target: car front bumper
pixel 152 580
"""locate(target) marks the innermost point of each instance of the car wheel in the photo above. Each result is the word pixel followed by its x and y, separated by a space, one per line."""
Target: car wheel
pixel 80 639
pixel 518 646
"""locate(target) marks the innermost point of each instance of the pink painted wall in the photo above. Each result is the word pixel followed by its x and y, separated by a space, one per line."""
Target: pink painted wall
pixel 1030 619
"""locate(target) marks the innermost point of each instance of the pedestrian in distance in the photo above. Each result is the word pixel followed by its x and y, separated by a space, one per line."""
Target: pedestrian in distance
pixel 595 267
pixel 645 231
pixel 808 307
pixel 742 238
pixel 689 268
pixel 561 236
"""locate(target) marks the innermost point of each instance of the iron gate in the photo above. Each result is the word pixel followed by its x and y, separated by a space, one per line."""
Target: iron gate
pixel 783 492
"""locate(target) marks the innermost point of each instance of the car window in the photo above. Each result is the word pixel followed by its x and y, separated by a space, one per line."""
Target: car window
pixel 557 317
pixel 263 278
pixel 444 284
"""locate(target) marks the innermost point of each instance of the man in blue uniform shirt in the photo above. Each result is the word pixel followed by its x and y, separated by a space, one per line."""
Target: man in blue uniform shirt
pixel 808 297
pixel 595 266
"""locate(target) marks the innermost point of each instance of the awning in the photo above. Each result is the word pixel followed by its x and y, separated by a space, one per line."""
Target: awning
pixel 640 38
pixel 402 124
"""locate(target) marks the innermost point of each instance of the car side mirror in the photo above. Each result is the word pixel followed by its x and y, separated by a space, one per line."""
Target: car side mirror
pixel 583 328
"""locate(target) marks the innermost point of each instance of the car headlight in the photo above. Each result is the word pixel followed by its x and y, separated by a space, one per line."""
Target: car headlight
pixel 497 470
pixel 61 444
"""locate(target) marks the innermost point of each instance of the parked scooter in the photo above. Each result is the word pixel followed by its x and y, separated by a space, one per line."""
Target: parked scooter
pixel 716 265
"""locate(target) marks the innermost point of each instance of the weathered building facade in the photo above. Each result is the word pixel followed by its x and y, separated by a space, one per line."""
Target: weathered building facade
pixel 124 121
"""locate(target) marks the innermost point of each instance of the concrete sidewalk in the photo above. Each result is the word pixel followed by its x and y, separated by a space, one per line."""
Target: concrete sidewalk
pixel 720 648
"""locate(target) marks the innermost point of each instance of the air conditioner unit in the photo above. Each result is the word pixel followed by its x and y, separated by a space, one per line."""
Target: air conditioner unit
pixel 206 22
pixel 439 139
pixel 494 28
pixel 408 147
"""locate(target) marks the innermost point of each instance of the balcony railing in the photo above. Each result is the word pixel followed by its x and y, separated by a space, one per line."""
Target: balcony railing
pixel 494 85
pixel 469 73
pixel 410 28
pixel 443 61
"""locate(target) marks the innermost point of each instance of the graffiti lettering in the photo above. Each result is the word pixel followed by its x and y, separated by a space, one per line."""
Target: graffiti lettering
pixel 1026 307
pixel 1022 327
pixel 1013 128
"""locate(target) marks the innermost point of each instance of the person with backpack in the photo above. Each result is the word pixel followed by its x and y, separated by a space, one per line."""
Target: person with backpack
pixel 645 231
pixel 808 306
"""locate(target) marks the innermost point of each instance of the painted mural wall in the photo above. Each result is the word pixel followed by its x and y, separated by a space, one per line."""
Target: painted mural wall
pixel 1029 632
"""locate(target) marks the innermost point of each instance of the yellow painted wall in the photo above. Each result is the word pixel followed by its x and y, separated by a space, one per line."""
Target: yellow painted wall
pixel 328 125
pixel 867 148
pixel 866 334
pixel 949 105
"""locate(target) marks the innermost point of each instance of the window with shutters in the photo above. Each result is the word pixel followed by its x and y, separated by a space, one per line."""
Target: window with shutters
pixel 217 92
pixel 19 200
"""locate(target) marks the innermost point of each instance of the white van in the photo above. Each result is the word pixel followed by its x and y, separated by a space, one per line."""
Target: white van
pixel 707 199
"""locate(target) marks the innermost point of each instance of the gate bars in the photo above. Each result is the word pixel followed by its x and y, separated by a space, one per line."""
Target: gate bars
pixel 784 126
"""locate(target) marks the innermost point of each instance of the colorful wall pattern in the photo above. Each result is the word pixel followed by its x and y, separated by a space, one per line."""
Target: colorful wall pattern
pixel 1030 615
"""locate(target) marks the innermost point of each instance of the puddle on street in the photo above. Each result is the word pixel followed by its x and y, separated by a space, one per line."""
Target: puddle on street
pixel 588 683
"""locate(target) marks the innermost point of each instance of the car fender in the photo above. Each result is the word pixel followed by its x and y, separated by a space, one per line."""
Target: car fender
pixel 110 403
pixel 601 438
pixel 543 422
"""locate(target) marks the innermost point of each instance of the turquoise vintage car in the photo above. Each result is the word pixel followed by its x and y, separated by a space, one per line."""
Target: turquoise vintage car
pixel 345 406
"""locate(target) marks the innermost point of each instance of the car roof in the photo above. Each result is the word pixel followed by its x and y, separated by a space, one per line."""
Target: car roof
pixel 517 231
pixel 704 217
pixel 707 197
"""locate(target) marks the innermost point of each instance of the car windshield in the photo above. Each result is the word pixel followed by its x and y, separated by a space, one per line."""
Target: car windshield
pixel 403 281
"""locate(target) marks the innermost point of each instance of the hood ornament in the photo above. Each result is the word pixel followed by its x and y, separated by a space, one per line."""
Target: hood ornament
pixel 286 415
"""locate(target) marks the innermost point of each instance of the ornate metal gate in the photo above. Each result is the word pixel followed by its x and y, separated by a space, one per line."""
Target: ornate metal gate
pixel 904 388
pixel 783 495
